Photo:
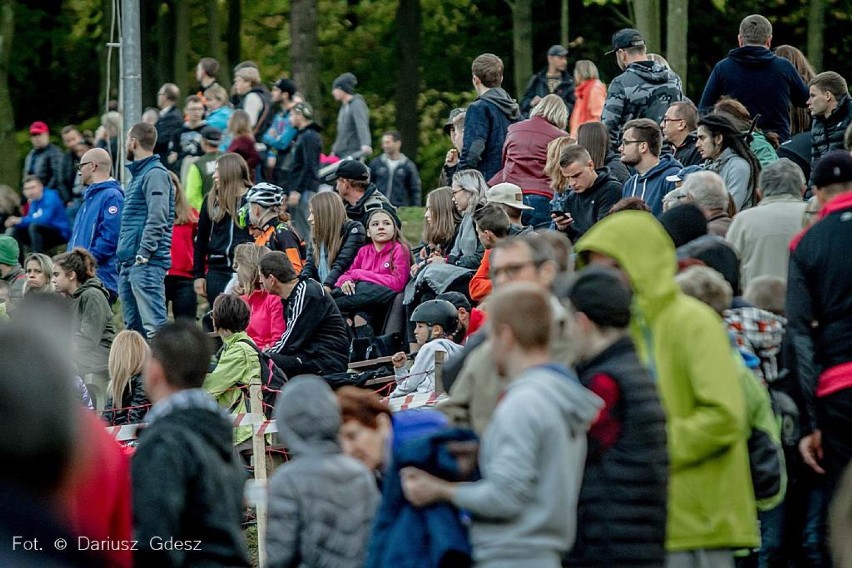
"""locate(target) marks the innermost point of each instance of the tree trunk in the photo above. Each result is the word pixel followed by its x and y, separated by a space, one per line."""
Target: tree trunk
pixel 166 33
pixel 564 35
pixel 181 53
pixel 816 27
pixel 304 52
pixel 677 19
pixel 149 20
pixel 522 43
pixel 648 22
pixel 214 34
pixel 408 29
pixel 235 48
pixel 10 172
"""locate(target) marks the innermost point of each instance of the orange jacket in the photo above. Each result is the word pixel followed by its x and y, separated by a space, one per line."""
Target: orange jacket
pixel 591 95
pixel 480 284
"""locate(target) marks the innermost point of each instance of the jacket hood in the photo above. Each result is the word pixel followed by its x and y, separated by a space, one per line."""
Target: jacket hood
pixel 667 161
pixel 91 284
pixel 100 186
pixel 650 71
pixel 308 416
pixel 752 55
pixel 604 177
pixel 579 406
pixel 502 100
pixel 643 249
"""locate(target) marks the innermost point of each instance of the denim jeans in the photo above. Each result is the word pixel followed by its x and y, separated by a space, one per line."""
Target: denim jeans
pixel 142 290
pixel 772 549
pixel 815 533
pixel 539 216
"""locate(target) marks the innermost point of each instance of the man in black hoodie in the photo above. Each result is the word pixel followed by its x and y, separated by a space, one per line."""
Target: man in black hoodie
pixel 593 193
pixel 644 90
pixel 553 79
pixel 765 83
pixel 187 479
pixel 487 118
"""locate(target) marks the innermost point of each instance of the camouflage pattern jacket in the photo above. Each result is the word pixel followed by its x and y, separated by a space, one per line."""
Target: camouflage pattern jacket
pixel 644 90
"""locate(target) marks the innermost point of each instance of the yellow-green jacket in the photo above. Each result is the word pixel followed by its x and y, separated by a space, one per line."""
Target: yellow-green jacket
pixel 238 365
pixel 684 345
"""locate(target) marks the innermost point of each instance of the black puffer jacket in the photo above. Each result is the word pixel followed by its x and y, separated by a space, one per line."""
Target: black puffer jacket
pixel 621 513
pixel 133 407
pixel 827 132
pixel 353 238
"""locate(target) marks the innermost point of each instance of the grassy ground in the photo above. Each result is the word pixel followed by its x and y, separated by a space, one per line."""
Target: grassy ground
pixel 412 223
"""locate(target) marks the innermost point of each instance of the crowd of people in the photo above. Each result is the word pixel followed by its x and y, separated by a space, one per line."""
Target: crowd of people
pixel 620 342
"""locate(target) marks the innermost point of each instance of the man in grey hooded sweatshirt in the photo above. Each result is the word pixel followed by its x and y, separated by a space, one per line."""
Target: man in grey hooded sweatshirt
pixel 321 502
pixel 353 119
pixel 487 118
pixel 533 451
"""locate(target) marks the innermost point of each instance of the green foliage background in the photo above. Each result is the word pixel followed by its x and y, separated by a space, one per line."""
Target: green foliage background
pixel 58 68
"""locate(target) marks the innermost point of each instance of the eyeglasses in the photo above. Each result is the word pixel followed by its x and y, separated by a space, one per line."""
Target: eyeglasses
pixel 666 119
pixel 626 142
pixel 79 166
pixel 511 270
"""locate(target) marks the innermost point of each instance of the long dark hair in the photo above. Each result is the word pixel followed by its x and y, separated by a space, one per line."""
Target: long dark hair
pixel 721 125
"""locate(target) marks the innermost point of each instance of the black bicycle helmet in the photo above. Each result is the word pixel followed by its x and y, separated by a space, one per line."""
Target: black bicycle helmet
pixel 437 312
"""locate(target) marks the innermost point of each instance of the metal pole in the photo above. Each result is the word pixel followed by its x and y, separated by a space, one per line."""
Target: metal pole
pixel 131 62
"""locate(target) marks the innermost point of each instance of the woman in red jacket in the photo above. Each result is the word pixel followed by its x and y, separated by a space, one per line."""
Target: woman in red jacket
pixel 180 290
pixel 525 155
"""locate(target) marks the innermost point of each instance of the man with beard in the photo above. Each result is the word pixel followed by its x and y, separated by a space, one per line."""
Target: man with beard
pixel 640 147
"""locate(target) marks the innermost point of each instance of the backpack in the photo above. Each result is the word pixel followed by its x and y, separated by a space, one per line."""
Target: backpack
pixel 272 380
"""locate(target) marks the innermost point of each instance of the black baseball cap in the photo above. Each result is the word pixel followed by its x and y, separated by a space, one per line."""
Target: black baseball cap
pixel 557 50
pixel 285 85
pixel 602 295
pixel 623 39
pixel 457 299
pixel 351 169
pixel 833 167
pixel 211 134
pixel 449 124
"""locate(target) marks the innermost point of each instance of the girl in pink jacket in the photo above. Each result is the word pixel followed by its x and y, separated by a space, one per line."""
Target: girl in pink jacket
pixel 380 271
pixel 266 323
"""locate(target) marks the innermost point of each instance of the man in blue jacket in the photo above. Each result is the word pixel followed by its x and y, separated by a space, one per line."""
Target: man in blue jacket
pixel 487 118
pixel 46 224
pixel 765 83
pixel 145 238
pixel 640 148
pixel 99 219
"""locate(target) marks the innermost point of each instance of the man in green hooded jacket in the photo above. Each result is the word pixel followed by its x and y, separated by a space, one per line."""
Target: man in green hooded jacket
pixel 711 507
